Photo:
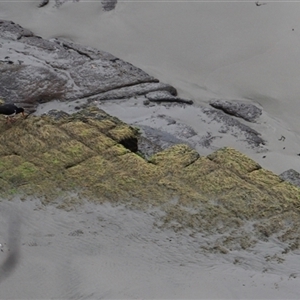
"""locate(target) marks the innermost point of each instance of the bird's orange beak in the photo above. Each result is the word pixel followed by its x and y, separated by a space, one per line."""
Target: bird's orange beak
pixel 23 113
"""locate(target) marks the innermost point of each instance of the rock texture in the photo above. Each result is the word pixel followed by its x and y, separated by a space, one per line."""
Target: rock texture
pixel 63 159
pixel 107 5
pixel 165 96
pixel 251 135
pixel 248 112
pixel 43 3
pixel 35 70
pixel 291 176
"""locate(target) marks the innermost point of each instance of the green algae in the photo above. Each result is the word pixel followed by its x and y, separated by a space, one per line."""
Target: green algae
pixel 83 156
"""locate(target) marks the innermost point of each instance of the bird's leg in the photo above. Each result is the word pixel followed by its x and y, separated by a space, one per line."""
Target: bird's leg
pixel 9 120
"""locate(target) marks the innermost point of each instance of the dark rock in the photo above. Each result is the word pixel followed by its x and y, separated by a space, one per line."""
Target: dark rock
pixel 57 114
pixel 252 136
pixel 153 140
pixel 147 147
pixel 43 3
pixel 11 31
pixel 165 96
pixel 30 84
pixel 60 70
pixel 108 5
pixel 248 112
pixel 132 91
pixel 291 176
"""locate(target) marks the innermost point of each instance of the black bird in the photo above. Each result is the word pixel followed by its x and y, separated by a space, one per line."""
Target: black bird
pixel 10 110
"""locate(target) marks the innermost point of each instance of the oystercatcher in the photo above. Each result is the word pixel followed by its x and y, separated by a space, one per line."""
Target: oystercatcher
pixel 10 110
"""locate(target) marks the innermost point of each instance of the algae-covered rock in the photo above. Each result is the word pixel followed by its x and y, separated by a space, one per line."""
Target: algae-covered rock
pixel 93 156
pixel 175 158
pixel 234 160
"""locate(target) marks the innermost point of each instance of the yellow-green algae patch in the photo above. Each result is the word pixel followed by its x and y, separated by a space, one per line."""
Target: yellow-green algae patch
pixel 28 145
pixel 136 166
pixel 175 158
pixel 80 131
pixel 234 160
pixel 101 142
pixel 115 150
pixel 122 132
pixel 23 173
pixel 52 160
pixel 83 156
pixel 93 170
pixel 201 167
pixel 52 133
pixel 75 151
pixel 10 161
pixel 102 126
pixel 263 178
pixel 4 149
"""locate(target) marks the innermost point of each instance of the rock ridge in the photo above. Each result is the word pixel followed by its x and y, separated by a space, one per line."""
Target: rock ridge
pixel 36 70
pixel 92 155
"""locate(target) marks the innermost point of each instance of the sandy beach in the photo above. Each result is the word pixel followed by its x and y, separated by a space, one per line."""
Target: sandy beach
pixel 216 50
pixel 106 252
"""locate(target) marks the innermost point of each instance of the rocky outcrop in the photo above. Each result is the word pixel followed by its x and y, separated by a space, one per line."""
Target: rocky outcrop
pixel 35 70
pixel 291 176
pixel 64 159
pixel 165 96
pixel 43 3
pixel 248 112
pixel 252 136
pixel 133 91
pixel 108 5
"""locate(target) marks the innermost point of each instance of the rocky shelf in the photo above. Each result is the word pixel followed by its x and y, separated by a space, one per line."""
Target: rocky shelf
pixel 35 70
pixel 63 159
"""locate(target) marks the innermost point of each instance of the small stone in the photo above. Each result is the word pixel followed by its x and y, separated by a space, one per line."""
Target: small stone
pixel 291 176
pixel 248 112
pixel 166 96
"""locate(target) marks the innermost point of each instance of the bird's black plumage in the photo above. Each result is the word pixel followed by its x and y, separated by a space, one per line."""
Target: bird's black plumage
pixel 10 110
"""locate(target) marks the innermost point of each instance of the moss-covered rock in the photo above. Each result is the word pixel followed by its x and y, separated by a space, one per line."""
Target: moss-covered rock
pixel 88 153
